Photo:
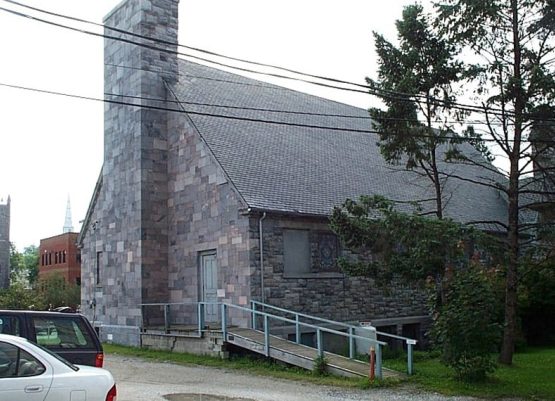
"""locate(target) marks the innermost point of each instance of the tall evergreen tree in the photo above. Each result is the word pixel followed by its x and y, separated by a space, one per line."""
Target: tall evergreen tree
pixel 514 44
pixel 411 79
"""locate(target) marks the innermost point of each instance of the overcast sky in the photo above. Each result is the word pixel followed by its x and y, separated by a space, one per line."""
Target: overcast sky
pixel 51 146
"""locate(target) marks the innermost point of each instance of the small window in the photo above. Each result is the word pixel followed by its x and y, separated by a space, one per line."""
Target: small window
pixel 63 256
pixel 296 252
pixel 15 362
pixel 55 258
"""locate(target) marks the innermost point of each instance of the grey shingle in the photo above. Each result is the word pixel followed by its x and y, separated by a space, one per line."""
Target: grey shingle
pixel 310 170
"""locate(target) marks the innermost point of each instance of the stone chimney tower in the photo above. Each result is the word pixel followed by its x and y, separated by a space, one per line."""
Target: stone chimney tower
pixel 132 234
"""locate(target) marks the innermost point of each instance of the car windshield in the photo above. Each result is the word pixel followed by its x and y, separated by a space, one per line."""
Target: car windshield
pixel 58 357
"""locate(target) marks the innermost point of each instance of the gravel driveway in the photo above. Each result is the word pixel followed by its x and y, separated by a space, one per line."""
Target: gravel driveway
pixel 140 380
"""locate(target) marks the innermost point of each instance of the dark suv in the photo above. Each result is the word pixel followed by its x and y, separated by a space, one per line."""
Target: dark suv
pixel 69 335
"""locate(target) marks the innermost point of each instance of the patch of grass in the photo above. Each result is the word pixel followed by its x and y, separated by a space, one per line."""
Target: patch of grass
pixel 532 376
pixel 253 365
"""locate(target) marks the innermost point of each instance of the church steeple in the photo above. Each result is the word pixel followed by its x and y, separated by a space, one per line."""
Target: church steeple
pixel 68 224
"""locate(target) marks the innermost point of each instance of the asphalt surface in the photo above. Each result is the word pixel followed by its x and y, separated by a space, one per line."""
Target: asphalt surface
pixel 140 380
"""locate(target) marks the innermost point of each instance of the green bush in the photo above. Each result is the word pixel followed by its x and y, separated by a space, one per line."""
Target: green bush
pixel 319 368
pixel 466 327
pixel 537 302
pixel 19 297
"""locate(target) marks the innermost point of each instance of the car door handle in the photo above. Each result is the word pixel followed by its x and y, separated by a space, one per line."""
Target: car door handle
pixel 33 389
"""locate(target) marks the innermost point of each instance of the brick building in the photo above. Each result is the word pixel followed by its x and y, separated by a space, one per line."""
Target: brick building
pixel 222 192
pixel 5 244
pixel 60 254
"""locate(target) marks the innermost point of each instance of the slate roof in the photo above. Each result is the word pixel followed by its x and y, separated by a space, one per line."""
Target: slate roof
pixel 303 170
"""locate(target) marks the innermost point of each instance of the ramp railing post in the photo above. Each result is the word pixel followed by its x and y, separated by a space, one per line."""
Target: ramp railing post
pixel 351 342
pixel 297 329
pixel 200 310
pixel 378 360
pixel 253 317
pixel 224 322
pixel 266 336
pixel 320 342
pixel 167 318
pixel 410 343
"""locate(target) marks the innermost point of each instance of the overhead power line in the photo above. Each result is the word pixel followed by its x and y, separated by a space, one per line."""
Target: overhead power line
pixel 392 95
pixel 271 86
pixel 230 117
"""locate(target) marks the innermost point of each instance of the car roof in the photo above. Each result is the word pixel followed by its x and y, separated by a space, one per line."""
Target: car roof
pixel 15 339
pixel 38 312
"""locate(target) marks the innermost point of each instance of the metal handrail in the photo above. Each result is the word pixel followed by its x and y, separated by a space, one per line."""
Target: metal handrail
pixel 409 341
pixel 319 329
pixel 346 325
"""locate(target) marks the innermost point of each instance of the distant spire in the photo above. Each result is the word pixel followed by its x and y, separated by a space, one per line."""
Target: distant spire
pixel 68 224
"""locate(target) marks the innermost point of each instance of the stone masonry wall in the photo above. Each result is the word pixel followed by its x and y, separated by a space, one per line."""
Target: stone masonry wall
pixel 5 245
pixel 127 235
pixel 329 294
pixel 205 214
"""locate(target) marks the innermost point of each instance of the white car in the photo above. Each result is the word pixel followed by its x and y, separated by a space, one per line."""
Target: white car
pixel 29 372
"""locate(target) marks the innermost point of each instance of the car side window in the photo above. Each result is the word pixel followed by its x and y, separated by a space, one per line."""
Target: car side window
pixel 15 362
pixel 9 325
pixel 62 332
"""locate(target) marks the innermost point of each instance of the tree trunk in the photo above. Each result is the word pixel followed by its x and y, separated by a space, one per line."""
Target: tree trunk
pixel 509 334
pixel 510 330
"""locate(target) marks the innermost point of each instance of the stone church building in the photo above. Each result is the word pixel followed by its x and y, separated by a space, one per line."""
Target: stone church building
pixel 218 187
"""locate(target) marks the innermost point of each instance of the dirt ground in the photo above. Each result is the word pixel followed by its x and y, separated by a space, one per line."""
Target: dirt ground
pixel 140 380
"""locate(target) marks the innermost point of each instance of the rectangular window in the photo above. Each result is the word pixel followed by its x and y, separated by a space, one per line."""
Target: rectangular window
pixel 62 332
pixel 98 262
pixel 296 252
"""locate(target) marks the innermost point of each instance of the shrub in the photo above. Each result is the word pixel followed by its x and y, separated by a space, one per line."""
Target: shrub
pixel 466 326
pixel 19 297
pixel 319 368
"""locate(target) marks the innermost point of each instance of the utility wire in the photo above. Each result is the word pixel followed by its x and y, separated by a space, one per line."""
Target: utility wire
pixel 237 118
pixel 280 111
pixel 269 86
pixel 187 47
pixel 380 92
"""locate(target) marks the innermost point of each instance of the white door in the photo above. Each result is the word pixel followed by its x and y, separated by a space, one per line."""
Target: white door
pixel 209 283
pixel 22 376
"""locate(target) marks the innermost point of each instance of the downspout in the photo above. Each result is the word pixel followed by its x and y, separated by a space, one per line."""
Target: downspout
pixel 261 247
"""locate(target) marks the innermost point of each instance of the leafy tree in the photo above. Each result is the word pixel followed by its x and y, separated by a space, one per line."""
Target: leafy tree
pixel 17 296
pixel 16 263
pixel 466 325
pixel 513 42
pixel 411 79
pixel 55 291
pixel 536 301
pixel 31 263
pixel 24 266
pixel 386 244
